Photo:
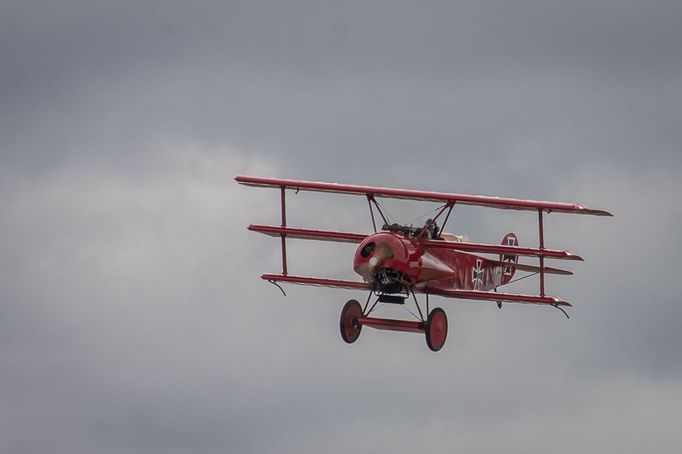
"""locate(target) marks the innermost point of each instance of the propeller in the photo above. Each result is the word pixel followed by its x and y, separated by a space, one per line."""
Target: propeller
pixel 377 256
pixel 383 252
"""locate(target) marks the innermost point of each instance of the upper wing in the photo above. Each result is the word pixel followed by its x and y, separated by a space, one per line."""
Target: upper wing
pixel 463 199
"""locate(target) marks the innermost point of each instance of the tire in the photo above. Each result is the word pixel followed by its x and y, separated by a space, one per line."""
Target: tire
pixel 436 329
pixel 348 324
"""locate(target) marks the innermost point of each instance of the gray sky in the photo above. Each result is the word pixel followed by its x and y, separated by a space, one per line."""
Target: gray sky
pixel 132 319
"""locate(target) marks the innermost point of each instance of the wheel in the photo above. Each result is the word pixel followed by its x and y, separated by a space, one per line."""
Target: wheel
pixel 436 329
pixel 350 328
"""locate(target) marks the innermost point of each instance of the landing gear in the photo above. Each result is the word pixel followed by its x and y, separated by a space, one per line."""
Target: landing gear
pixel 349 324
pixel 436 329
pixel 353 317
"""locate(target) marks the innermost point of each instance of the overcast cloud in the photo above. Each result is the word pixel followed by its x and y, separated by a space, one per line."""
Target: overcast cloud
pixel 132 318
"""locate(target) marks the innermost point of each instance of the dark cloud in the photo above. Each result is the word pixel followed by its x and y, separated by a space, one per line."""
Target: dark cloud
pixel 132 316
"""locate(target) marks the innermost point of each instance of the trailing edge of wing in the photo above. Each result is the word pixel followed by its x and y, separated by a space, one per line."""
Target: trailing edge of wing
pixel 428 196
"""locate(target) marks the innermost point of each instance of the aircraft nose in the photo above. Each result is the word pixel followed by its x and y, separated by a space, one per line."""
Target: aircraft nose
pixel 371 257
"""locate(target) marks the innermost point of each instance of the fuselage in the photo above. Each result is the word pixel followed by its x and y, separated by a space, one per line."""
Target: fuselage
pixel 393 263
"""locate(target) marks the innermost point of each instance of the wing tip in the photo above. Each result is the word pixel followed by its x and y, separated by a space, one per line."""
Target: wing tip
pixel 603 213
pixel 593 212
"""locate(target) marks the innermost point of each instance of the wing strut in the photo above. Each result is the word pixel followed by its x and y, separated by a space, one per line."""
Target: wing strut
pixel 542 248
pixel 371 200
pixel 447 216
pixel 371 211
pixel 449 206
pixel 283 235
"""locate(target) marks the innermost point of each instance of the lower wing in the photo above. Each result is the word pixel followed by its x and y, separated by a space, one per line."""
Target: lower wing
pixel 462 294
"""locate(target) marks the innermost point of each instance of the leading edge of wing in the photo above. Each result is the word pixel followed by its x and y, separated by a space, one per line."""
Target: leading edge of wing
pixel 496 296
pixel 427 196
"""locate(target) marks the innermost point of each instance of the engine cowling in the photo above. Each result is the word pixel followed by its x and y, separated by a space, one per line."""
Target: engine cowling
pixel 391 261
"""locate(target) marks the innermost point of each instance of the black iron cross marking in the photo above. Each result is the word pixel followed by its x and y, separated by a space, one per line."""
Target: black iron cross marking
pixel 477 274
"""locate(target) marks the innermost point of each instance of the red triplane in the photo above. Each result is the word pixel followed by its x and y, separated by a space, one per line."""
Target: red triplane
pixel 400 261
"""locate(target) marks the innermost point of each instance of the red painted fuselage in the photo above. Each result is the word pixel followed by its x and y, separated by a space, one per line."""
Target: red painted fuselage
pixel 387 259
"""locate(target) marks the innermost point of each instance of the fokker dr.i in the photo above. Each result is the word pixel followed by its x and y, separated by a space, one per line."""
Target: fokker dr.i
pixel 399 261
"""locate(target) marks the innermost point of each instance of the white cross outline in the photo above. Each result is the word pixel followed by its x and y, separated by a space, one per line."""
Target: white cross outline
pixel 477 274
pixel 511 259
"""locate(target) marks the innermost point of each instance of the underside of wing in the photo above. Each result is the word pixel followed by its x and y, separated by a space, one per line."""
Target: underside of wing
pixel 427 196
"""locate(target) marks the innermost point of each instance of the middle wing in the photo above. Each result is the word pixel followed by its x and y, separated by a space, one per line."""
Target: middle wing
pixel 345 237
